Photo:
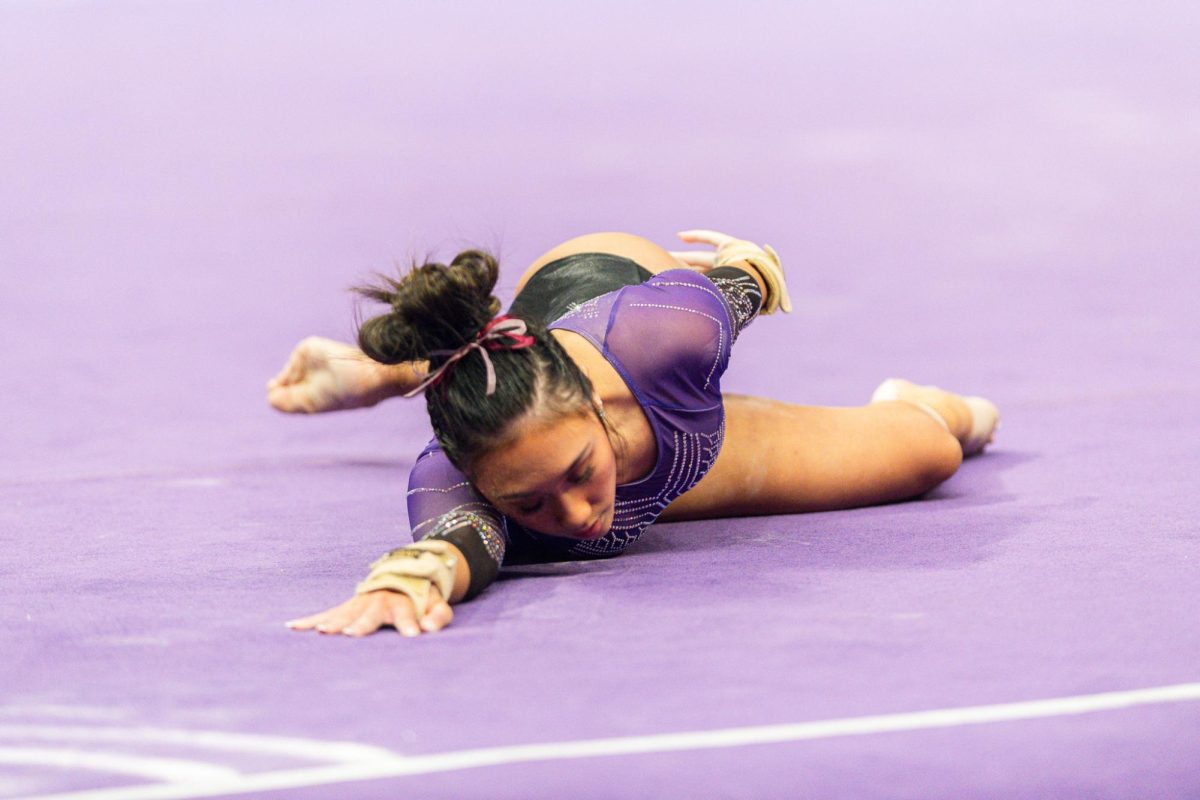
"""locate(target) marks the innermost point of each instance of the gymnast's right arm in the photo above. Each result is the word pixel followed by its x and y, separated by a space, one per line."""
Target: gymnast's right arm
pixel 458 545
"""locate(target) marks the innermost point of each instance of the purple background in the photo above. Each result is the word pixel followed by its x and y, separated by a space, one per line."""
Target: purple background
pixel 1001 199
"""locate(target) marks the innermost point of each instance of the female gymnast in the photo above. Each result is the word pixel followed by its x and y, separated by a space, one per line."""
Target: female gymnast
pixel 565 427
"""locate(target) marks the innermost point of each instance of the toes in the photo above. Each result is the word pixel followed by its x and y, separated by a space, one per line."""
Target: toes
pixel 985 420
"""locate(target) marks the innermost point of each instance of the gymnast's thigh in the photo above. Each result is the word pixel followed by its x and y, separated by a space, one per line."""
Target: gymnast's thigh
pixel 782 458
pixel 760 469
pixel 646 253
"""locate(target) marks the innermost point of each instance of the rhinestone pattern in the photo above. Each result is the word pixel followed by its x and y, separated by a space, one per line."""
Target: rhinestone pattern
pixel 744 299
pixel 483 525
pixel 586 310
pixel 634 510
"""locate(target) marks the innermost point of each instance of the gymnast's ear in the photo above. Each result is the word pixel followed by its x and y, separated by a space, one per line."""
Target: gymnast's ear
pixel 434 307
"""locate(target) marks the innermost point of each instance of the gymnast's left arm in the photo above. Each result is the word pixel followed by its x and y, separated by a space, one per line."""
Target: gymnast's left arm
pixel 459 541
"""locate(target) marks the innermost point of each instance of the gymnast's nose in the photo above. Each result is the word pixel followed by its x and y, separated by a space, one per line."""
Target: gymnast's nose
pixel 574 512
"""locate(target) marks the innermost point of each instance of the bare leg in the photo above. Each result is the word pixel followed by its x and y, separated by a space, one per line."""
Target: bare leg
pixel 326 375
pixel 781 458
pixel 972 420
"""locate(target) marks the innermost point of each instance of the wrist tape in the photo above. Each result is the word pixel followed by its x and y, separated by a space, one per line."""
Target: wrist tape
pixel 481 545
pixel 766 261
pixel 411 570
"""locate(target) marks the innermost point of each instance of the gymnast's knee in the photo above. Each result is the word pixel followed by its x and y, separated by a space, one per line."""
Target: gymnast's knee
pixel 940 457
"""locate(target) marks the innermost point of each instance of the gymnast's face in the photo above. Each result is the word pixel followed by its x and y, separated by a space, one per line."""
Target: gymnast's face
pixel 558 477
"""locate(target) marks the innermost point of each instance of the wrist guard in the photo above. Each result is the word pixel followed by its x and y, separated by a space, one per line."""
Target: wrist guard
pixel 766 261
pixel 412 570
pixel 481 546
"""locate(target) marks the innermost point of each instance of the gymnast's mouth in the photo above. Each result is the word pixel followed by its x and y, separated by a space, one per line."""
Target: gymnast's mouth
pixel 593 531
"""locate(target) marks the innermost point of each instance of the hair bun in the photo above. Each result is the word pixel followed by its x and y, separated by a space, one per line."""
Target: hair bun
pixel 434 307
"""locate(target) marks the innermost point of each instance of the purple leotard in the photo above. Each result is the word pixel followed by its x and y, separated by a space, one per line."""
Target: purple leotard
pixel 669 339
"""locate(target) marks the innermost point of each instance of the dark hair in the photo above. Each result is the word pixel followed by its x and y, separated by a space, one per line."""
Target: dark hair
pixel 441 308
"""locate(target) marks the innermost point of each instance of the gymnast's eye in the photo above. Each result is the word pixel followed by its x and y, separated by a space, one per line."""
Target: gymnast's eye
pixel 584 477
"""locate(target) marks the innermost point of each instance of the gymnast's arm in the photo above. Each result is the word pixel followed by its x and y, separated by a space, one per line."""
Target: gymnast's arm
pixel 448 517
pixel 761 263
pixel 741 286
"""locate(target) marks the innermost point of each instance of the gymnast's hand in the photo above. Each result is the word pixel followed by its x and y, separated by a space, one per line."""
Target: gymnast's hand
pixel 364 614
pixel 730 250
pixel 324 375
pixel 701 260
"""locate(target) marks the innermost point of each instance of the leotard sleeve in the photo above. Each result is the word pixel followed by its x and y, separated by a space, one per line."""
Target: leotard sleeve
pixel 742 296
pixel 442 504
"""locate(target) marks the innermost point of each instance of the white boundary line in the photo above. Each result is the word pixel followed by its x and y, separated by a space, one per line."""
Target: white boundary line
pixel 654 743
pixel 173 770
pixel 314 749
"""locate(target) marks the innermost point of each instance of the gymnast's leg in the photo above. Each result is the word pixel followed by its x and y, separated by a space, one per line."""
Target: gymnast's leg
pixel 781 458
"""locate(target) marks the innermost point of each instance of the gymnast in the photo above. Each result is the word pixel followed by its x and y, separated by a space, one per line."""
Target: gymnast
pixel 567 426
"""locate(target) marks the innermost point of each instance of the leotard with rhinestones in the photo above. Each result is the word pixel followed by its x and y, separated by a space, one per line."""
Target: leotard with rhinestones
pixel 669 338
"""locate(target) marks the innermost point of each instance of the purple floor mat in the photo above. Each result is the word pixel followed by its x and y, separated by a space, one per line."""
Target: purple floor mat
pixel 1000 199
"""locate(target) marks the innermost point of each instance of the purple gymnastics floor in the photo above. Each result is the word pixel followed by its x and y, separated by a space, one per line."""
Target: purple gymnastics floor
pixel 1002 200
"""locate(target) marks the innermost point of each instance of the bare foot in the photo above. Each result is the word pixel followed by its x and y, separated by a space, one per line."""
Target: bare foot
pixel 325 375
pixel 972 420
